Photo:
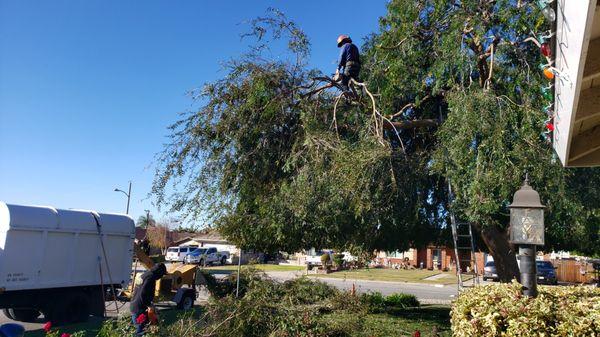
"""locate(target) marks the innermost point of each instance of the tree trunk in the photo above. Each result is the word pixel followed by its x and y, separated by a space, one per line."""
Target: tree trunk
pixel 496 240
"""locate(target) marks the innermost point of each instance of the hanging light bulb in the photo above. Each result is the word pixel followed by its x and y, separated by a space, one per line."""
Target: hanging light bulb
pixel 547 93
pixel 549 13
pixel 550 126
pixel 548 73
pixel 545 49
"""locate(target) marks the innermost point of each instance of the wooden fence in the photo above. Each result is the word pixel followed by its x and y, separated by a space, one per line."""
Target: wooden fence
pixel 574 271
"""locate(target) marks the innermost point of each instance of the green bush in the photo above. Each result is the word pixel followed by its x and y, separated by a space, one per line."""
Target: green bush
pixel 374 302
pixel 401 300
pixel 338 260
pixel 501 310
pixel 325 259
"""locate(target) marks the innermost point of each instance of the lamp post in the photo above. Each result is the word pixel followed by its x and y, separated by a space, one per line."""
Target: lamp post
pixel 128 194
pixel 527 231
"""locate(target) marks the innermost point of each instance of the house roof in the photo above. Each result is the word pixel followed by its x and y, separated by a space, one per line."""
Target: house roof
pixel 576 137
pixel 211 236
pixel 140 233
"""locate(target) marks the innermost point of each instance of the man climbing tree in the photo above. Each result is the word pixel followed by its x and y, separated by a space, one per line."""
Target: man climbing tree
pixel 348 63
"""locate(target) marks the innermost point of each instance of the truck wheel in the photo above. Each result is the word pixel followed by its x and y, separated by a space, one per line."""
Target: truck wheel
pixel 24 315
pixel 186 303
pixel 8 314
pixel 223 260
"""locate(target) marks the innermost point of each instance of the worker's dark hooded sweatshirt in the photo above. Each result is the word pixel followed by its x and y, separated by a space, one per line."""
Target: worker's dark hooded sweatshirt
pixel 144 293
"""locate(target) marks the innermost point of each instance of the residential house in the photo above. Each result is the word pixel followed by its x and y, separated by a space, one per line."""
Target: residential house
pixel 431 257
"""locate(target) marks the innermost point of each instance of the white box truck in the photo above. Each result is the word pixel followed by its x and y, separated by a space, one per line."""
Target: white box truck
pixel 61 262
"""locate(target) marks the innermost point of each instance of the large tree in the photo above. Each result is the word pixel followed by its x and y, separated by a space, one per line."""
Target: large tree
pixel 281 161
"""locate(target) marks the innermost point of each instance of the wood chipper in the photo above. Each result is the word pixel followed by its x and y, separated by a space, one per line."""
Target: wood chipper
pixel 178 285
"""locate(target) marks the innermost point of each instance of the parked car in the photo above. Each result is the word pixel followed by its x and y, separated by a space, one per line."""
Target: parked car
pixel 315 260
pixel 489 271
pixel 207 256
pixel 177 254
pixel 546 273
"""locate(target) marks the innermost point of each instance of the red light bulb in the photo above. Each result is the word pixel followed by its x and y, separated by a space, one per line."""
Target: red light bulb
pixel 550 126
pixel 546 50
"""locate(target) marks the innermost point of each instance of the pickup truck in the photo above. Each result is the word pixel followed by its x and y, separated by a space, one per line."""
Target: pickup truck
pixel 315 260
pixel 207 256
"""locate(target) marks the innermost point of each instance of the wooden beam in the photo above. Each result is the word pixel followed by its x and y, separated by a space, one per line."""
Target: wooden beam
pixel 585 143
pixel 590 160
pixel 403 125
pixel 592 62
pixel 589 104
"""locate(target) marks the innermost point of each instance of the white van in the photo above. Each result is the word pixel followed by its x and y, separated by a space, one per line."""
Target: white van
pixel 177 254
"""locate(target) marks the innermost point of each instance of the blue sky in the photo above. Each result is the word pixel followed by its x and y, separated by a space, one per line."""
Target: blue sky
pixel 87 88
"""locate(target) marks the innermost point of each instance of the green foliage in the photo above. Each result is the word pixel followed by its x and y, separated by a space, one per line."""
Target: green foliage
pixel 276 170
pixel 117 327
pixel 401 300
pixel 338 260
pixel 222 287
pixel 325 259
pixel 501 310
pixel 375 302
pixel 265 164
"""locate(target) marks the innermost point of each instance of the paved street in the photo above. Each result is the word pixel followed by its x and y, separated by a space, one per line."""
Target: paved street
pixel 426 293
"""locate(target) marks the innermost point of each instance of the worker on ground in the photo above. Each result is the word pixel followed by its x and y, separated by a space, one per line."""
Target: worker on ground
pixel 349 61
pixel 143 296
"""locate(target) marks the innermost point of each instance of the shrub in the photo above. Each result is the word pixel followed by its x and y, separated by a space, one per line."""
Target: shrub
pixel 401 300
pixel 227 286
pixel 338 260
pixel 374 302
pixel 305 291
pixel 325 259
pixel 501 310
pixel 269 308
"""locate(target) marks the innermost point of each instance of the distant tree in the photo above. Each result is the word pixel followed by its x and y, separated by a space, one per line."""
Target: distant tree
pixel 158 237
pixel 145 221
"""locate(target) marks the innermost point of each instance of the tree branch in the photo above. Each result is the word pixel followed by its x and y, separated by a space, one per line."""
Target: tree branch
pixel 406 125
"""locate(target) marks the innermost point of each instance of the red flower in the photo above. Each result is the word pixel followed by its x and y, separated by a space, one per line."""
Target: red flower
pixel 47 326
pixel 65 334
pixel 141 319
pixel 417 333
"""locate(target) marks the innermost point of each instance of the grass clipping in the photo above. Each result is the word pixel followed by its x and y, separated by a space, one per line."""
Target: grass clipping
pixel 502 310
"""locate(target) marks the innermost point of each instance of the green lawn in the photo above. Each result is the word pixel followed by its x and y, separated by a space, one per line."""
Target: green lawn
pixel 393 275
pixel 399 323
pixel 263 267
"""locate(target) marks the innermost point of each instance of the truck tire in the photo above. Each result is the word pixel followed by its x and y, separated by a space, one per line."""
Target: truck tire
pixel 186 303
pixel 8 314
pixel 74 307
pixel 223 260
pixel 24 315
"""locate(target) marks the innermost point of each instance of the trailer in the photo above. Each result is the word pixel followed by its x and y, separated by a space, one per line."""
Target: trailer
pixel 61 262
